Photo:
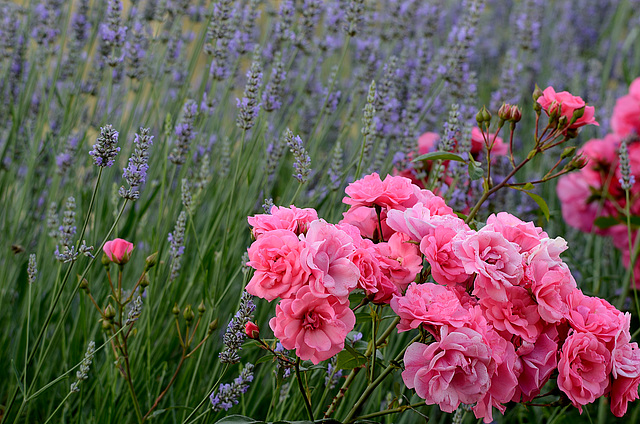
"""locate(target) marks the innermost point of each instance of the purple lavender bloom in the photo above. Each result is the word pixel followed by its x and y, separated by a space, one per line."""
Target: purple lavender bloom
pixel 80 23
pixel 184 133
pixel 302 163
pixel 235 334
pixel 44 29
pixel 136 172
pixel 248 105
pixel 136 51
pixel 176 245
pixel 112 35
pixel 65 160
pixel 105 150
pixel 227 395
pixel 272 95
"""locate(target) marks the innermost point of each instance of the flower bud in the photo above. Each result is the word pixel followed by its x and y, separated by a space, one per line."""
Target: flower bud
pixel 201 308
pixel 106 325
pixel 144 282
pixel 562 122
pixel 479 117
pixel 213 326
pixel 252 330
pixel 118 250
pixel 486 115
pixel 578 162
pixel 537 93
pixel 516 113
pixel 577 114
pixel 504 112
pixel 151 261
pixel 105 260
pixel 568 152
pixel 83 284
pixel 188 314
pixel 109 312
pixel 175 310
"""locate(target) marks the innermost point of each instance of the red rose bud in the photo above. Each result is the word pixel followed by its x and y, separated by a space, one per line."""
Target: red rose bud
pixel 252 331
pixel 118 251
pixel 504 112
pixel 516 114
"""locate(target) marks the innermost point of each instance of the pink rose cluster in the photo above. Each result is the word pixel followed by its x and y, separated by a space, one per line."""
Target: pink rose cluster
pixel 596 190
pixel 505 314
pixel 565 104
pixel 313 266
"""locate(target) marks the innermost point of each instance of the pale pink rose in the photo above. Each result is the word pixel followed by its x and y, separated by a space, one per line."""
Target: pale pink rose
pixel 365 220
pixel 435 204
pixel 626 113
pixel 430 305
pixel 567 104
pixel 400 260
pixel 496 260
pixel 551 285
pixel 365 191
pixel 457 369
pixel 326 257
pixel 118 250
pixel 548 251
pixel 276 258
pixel 283 218
pixel 524 234
pixel 537 360
pixel 518 315
pixel 315 327
pixel 478 143
pixel 437 247
pixel 583 368
pixel 413 221
pixel 625 355
pixel 594 315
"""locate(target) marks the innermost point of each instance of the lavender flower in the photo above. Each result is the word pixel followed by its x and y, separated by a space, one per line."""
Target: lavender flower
pixel 136 52
pixel 184 133
pixel 228 394
pixel 105 150
pixel 134 312
pixel 267 205
pixel 335 170
pixel 275 150
pixel 225 157
pixel 627 180
pixel 44 29
pixel 302 163
pixel 354 17
pixel 187 199
pixel 235 335
pixel 242 40
pixel 83 373
pixel 176 245
pixel 249 106
pixel 218 38
pixel 53 221
pixel 8 34
pixel 112 34
pixel 271 97
pixel 311 10
pixel 65 160
pixel 333 375
pixel 451 129
pixel 136 172
pixel 67 231
pixel 204 174
pixel 32 269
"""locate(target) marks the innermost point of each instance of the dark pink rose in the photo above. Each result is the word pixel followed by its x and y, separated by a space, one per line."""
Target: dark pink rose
pixel 537 361
pixel 594 315
pixel 566 104
pixel 626 113
pixel 315 327
pixel 283 218
pixel 478 143
pixel 583 368
pixel 517 315
pixel 276 258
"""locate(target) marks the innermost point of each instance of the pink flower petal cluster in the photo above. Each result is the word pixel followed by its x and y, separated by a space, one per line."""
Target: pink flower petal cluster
pixel 626 112
pixel 566 104
pixel 283 218
pixel 118 250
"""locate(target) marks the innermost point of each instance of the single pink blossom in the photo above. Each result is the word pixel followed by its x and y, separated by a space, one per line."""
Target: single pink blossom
pixel 283 218
pixel 315 327
pixel 595 316
pixel 565 104
pixel 537 361
pixel 118 250
pixel 437 247
pixel 626 113
pixel 517 315
pixel 400 260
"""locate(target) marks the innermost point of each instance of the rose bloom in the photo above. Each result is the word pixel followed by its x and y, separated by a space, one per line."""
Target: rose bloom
pixel 457 369
pixel 495 259
pixel 315 327
pixel 551 286
pixel 518 315
pixel 326 257
pixel 567 103
pixel 537 361
pixel 118 250
pixel 430 305
pixel 400 260
pixel 276 258
pixel 391 193
pixel 583 369
pixel 524 234
pixel 478 143
pixel 626 113
pixel 437 247
pixel 283 218
pixel 594 315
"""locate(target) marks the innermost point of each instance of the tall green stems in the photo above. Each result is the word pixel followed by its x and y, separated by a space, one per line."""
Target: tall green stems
pixel 303 391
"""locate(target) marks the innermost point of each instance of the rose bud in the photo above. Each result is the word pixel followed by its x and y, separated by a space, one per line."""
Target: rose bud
pixel 252 330
pixel 118 250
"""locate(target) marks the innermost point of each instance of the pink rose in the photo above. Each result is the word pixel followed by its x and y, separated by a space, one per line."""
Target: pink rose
pixel 594 315
pixel 430 305
pixel 365 258
pixel 275 256
pixel 537 360
pixel 566 104
pixel 626 113
pixel 326 257
pixel 315 327
pixel 518 315
pixel 496 260
pixel 437 247
pixel 400 260
pixel 427 142
pixel 118 250
pixel 551 285
pixel 457 369
pixel 365 191
pixel 524 234
pixel 365 219
pixel 584 367
pixel 578 209
pixel 283 218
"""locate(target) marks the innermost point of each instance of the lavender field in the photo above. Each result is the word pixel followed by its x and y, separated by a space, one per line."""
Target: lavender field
pixel 307 211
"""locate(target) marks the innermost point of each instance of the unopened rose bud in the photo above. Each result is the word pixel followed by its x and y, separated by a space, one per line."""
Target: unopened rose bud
pixel 201 308
pixel 83 284
pixel 188 314
pixel 144 282
pixel 106 325
pixel 578 162
pixel 105 260
pixel 118 250
pixel 537 93
pixel 486 115
pixel 252 330
pixel 516 113
pixel 151 261
pixel 175 310
pixel 479 117
pixel 213 326
pixel 562 122
pixel 568 152
pixel 109 312
pixel 504 112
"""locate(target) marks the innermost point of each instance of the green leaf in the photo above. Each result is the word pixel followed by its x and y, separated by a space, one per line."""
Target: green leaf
pixel 439 156
pixel 526 187
pixel 605 222
pixel 475 171
pixel 264 358
pixel 540 201
pixel 362 317
pixel 238 419
pixel 350 358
